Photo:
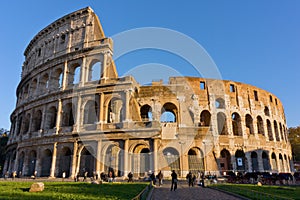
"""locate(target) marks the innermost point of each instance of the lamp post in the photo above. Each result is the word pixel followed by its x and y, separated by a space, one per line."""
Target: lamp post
pixel 181 160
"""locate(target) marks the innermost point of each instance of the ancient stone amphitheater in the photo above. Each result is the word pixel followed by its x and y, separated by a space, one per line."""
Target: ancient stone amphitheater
pixel 75 115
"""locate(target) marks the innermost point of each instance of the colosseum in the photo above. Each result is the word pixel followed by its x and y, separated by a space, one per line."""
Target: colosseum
pixel 74 114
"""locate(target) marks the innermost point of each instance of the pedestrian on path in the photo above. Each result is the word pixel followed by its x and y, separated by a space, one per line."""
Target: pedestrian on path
pixel 160 178
pixel 174 180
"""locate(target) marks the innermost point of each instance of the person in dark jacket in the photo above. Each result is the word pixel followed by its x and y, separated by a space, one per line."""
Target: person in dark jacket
pixel 174 180
pixel 160 178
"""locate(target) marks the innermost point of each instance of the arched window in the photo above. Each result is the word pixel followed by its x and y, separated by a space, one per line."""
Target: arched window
pixel 270 134
pixel 26 124
pixel 115 111
pixel 240 160
pixel 90 112
pixel 74 74
pixel 249 124
pixel 57 78
pixel 276 131
pixel 51 118
pixel 205 118
pixel 46 162
pixel 236 124
pixel 196 160
pixel 37 120
pixel 65 162
pixel 172 158
pixel 274 161
pixel 222 124
pixel 220 103
pixel 44 83
pixel 68 117
pixel 260 125
pixel 254 161
pixel 33 87
pixel 267 112
pixel 225 161
pixel 266 162
pixel 146 113
pixel 94 72
pixel 169 113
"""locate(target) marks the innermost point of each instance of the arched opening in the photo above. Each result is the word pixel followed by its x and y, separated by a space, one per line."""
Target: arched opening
pixel 169 113
pixel 225 161
pixel 57 78
pixel 267 111
pixel 26 92
pixel 266 162
pixel 276 131
pixel 51 118
pixel 87 162
pixel 222 124
pixel 254 161
pixel 26 124
pixel 205 118
pixel 146 113
pixel 90 112
pixel 65 162
pixel 115 111
pixel 196 160
pixel 240 160
pixel 270 134
pixel 113 160
pixel 37 120
pixel 19 125
pixel 68 117
pixel 220 103
pixel 281 132
pixel 74 74
pixel 33 87
pixel 21 163
pixel 31 163
pixel 281 167
pixel 274 161
pixel 95 72
pixel 236 124
pixel 260 125
pixel 249 124
pixel 172 159
pixel 46 163
pixel 44 83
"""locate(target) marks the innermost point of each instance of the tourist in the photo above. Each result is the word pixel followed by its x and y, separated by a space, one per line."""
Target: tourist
pixel 85 176
pixel 190 179
pixel 174 180
pixel 152 178
pixel 160 178
pixel 130 176
pixel 14 174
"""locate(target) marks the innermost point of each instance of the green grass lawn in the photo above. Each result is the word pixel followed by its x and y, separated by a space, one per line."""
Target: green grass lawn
pixel 71 190
pixel 262 192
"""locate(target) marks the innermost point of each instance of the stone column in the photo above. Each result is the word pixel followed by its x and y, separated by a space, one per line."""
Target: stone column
pixel 126 157
pixel 155 155
pixel 104 68
pixel 58 117
pixel 127 99
pixel 65 76
pixel 53 163
pixel 74 160
pixel 83 72
pixel 98 157
pixel 249 159
pixel 101 111
pixel 260 161
pixel 15 167
pixel 78 114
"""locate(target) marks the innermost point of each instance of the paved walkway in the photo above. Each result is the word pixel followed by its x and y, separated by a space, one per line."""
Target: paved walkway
pixel 183 192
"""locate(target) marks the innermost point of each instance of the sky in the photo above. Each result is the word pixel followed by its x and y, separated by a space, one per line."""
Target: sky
pixel 255 42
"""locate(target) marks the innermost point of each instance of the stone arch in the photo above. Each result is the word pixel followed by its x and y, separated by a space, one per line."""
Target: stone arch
pixel 115 110
pixel 141 161
pixel 19 124
pixel 240 160
pixel 276 131
pixel 94 71
pixel 205 118
pixel 146 113
pixel 33 87
pixel 21 163
pixel 281 163
pixel 236 124
pixel 269 127
pixel 249 125
pixel 220 103
pixel 90 112
pixel 266 161
pixel 57 78
pixel 46 161
pixel 87 161
pixel 44 83
pixel 51 118
pixel 26 124
pixel 74 74
pixel 274 161
pixel 31 163
pixel 169 113
pixel 225 161
pixel 68 115
pixel 254 161
pixel 222 123
pixel 267 111
pixel 260 125
pixel 65 161
pixel 37 121
pixel 171 159
pixel 113 159
pixel 196 160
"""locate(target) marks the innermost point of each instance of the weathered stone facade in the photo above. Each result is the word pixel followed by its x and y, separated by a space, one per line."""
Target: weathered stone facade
pixel 70 119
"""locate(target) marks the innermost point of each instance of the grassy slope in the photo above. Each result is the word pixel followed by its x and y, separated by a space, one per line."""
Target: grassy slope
pixel 71 190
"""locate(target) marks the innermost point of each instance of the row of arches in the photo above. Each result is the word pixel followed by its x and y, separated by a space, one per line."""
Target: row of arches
pixel 54 79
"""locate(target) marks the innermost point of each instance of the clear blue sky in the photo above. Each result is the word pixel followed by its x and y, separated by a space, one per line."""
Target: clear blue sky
pixel 255 42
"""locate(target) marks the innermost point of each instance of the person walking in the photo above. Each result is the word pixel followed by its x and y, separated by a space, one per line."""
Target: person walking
pixel 160 177
pixel 190 180
pixel 174 180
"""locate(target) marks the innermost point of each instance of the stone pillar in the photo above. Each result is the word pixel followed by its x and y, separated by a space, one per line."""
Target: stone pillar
pixel 83 72
pixel 249 163
pixel 74 160
pixel 53 163
pixel 260 161
pixel 58 117
pixel 98 157
pixel 44 115
pixel 78 114
pixel 65 76
pixel 126 157
pixel 127 100
pixel 15 167
pixel 104 68
pixel 101 111
pixel 155 155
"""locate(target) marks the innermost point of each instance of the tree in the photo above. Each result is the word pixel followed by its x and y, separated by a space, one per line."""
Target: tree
pixel 294 138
